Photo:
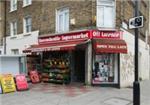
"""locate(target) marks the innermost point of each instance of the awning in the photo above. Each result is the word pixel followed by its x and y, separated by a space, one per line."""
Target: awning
pixel 110 46
pixel 54 47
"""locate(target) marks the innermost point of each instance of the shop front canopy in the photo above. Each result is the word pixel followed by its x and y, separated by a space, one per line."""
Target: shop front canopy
pixel 63 46
pixel 110 46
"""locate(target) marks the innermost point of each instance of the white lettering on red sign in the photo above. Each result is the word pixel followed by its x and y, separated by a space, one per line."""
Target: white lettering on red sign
pixel 50 39
pixel 112 46
pixel 64 38
pixel 73 37
pixel 106 34
pixel 101 46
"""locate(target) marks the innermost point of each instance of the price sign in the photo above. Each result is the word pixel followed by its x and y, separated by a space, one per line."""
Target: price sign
pixel 21 82
pixel 8 84
pixel 34 76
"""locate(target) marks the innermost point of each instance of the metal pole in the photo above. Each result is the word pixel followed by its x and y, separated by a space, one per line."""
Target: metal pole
pixel 136 84
pixel 5 28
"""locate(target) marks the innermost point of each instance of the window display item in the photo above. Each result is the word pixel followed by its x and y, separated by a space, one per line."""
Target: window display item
pixel 21 82
pixel 103 71
pixel 8 84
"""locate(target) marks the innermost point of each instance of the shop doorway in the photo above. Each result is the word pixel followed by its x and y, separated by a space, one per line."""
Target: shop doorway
pixel 79 64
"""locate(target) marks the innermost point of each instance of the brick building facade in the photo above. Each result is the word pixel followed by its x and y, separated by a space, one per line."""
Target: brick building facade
pixel 83 15
pixel 84 12
pixel 2 24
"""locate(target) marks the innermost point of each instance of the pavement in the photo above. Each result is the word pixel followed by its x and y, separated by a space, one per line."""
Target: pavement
pixel 52 94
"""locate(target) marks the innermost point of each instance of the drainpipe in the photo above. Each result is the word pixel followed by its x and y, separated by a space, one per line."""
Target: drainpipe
pixel 149 38
pixel 5 27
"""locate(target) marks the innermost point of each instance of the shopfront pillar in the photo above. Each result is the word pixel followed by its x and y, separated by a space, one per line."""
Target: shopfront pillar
pixel 88 64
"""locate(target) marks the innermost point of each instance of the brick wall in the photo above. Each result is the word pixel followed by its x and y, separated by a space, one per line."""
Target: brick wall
pixel 83 11
pixel 2 19
pixel 43 15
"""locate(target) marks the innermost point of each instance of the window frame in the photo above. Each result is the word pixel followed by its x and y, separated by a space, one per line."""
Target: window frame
pixel 13 5
pixel 25 3
pixel 13 28
pixel 62 11
pixel 15 51
pixel 26 26
pixel 106 3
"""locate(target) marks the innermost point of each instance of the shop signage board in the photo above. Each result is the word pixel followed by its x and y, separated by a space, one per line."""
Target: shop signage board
pixel 8 84
pixel 21 82
pixel 64 37
pixel 34 76
pixel 82 35
pixel 107 34
pixel 118 47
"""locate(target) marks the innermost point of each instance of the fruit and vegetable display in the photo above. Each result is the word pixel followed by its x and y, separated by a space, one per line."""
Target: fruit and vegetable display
pixel 56 70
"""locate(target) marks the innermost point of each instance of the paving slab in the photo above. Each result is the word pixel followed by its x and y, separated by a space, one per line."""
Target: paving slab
pixel 117 101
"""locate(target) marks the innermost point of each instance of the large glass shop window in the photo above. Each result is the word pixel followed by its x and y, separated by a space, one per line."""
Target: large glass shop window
pixel 104 69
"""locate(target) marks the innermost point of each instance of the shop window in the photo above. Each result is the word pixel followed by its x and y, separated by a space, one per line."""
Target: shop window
pixel 62 20
pixel 27 24
pixel 13 5
pixel 106 13
pixel 13 28
pixel 27 2
pixel 105 68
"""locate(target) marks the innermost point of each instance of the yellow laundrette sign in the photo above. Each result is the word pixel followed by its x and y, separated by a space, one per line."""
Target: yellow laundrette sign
pixel 8 84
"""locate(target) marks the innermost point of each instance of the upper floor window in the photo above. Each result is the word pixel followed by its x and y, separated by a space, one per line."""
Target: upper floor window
pixel 27 2
pixel 106 13
pixel 15 51
pixel 13 28
pixel 62 20
pixel 27 24
pixel 13 5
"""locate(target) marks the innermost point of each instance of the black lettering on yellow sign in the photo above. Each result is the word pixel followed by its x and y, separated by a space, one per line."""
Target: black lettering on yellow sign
pixel 8 84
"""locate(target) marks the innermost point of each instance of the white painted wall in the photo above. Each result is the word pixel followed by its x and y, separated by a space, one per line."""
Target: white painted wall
pixel 21 41
pixel 127 61
pixel 9 65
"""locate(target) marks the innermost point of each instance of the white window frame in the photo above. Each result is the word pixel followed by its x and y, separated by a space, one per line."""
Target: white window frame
pixel 13 28
pixel 13 5
pixel 27 3
pixel 15 51
pixel 25 25
pixel 64 27
pixel 103 3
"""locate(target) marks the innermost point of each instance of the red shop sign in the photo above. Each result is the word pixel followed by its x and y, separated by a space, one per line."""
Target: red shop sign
pixel 21 82
pixel 107 34
pixel 81 35
pixel 34 76
pixel 75 36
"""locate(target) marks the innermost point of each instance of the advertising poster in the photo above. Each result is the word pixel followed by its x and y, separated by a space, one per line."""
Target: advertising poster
pixel 103 71
pixel 8 84
pixel 34 76
pixel 21 82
